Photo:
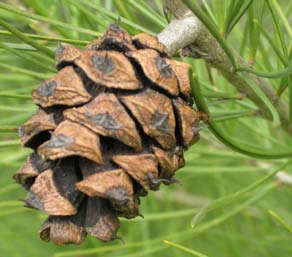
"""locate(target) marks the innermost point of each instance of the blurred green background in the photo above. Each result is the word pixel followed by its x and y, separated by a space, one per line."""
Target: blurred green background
pixel 253 214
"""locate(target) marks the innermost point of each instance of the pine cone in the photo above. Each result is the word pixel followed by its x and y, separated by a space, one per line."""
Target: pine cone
pixel 112 124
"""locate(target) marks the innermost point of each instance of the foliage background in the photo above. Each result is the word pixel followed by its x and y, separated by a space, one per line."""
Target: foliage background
pixel 249 220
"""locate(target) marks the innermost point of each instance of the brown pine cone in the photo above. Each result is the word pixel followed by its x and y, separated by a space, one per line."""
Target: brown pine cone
pixel 111 125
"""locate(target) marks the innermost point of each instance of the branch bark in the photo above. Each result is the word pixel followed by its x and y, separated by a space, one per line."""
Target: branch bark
pixel 186 31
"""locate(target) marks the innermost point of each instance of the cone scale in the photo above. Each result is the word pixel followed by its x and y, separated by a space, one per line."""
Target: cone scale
pixel 111 125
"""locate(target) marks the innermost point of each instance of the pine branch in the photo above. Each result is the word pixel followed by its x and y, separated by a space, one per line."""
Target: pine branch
pixel 187 32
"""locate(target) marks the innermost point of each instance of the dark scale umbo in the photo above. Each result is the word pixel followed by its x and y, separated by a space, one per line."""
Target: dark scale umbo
pixel 163 68
pixel 47 89
pixel 160 121
pixel 60 141
pixel 103 63
pixel 104 120
pixel 111 125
